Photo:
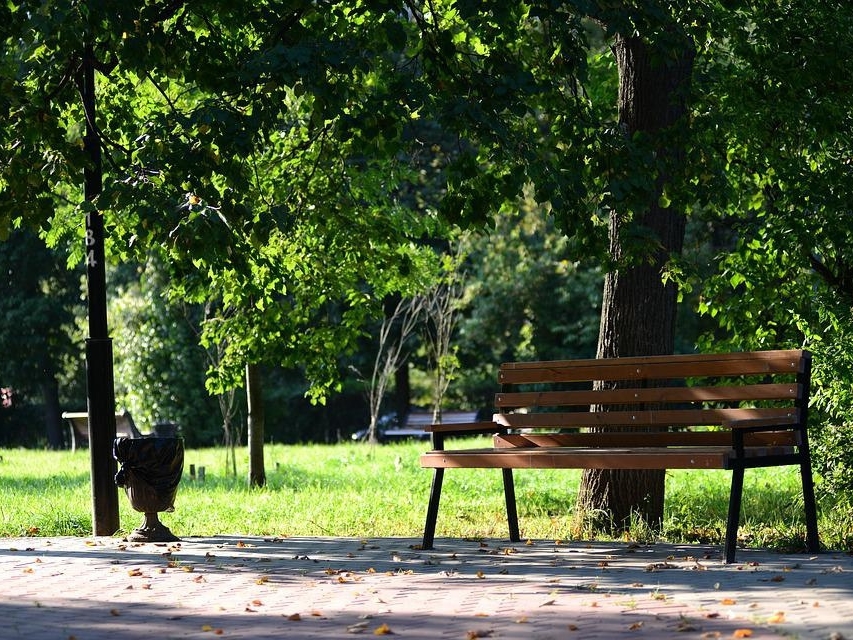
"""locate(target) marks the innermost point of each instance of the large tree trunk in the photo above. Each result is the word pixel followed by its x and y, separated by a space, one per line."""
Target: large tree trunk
pixel 256 419
pixel 638 309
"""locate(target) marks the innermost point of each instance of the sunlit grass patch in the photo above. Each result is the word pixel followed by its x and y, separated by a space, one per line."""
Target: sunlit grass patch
pixel 359 490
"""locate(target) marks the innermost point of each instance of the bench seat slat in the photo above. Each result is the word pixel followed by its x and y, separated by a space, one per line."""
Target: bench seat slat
pixel 594 458
pixel 668 395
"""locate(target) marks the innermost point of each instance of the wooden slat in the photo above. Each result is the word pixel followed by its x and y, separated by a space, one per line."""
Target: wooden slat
pixel 557 458
pixel 641 419
pixel 669 395
pixel 646 439
pixel 654 367
pixel 771 354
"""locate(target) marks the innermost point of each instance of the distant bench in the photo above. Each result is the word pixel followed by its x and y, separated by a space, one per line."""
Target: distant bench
pixel 414 426
pixel 417 422
pixel 78 423
pixel 731 411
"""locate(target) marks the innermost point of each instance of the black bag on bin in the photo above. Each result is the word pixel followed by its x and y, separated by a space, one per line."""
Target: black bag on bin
pixel 150 472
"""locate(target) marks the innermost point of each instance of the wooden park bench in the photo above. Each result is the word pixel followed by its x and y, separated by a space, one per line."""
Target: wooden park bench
pixel 730 411
pixel 78 423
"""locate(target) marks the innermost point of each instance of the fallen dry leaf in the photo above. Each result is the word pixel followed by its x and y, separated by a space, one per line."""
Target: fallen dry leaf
pixel 114 612
pixel 382 630
pixel 478 633
pixel 777 618
pixel 359 627
pixel 742 633
pixel 728 601
pixel 294 617
pixel 481 575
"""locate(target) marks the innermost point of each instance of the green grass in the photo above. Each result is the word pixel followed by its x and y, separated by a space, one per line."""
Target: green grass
pixel 378 491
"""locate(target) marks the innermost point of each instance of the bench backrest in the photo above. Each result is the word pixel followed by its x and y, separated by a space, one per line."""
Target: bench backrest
pixel 656 393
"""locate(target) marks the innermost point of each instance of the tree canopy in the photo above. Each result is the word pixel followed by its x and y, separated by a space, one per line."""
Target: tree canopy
pixel 291 162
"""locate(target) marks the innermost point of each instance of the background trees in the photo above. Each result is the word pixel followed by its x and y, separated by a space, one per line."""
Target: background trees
pixel 290 166
pixel 37 296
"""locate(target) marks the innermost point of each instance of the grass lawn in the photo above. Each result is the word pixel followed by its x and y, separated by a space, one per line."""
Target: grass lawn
pixel 379 491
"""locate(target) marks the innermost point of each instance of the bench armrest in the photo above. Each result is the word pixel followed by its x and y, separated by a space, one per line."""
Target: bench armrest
pixel 465 428
pixel 762 424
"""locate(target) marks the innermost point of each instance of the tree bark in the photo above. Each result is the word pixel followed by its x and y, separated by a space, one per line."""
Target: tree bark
pixel 638 309
pixel 52 411
pixel 256 419
pixel 402 390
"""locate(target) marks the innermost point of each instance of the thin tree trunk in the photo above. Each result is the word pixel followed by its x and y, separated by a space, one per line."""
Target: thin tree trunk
pixel 638 309
pixel 52 411
pixel 254 397
pixel 402 390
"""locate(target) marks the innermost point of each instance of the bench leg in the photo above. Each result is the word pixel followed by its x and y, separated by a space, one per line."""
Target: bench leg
pixel 734 514
pixel 810 507
pixel 511 513
pixel 432 509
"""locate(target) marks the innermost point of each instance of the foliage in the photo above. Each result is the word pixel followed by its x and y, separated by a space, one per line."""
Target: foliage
pixel 35 299
pixel 528 295
pixel 780 126
pixel 290 162
pixel 159 366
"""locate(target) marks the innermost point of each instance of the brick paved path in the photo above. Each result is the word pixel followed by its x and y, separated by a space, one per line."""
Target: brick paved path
pixel 249 587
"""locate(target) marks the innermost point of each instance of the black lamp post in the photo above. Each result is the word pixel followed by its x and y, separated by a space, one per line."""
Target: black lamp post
pixel 99 350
